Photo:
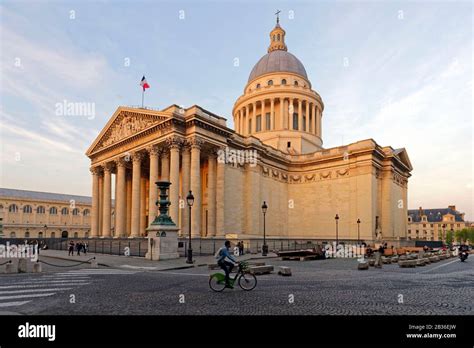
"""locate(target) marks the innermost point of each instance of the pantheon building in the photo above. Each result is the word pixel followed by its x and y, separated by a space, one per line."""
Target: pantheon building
pixel 275 154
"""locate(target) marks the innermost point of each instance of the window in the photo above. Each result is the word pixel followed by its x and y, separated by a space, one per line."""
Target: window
pixel 40 210
pixel 53 211
pixel 304 123
pixel 258 85
pixel 75 211
pixel 409 231
pixel 53 234
pixel 27 209
pixel 259 123
pixel 250 126
pixel 288 144
pixel 270 82
pixel 409 219
pixel 13 208
pixel 12 235
pixel 1 208
pixel 86 235
pixel 274 37
pixel 86 212
pixel 64 211
pixel 459 225
pixel 295 121
pixel 27 234
pixel 40 235
pixel 431 225
pixel 283 82
pixel 296 83
pixel 267 121
pixel 424 225
pixel 75 235
pixel 278 37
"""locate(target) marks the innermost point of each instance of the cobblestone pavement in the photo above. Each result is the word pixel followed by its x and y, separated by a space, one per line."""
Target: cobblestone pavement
pixel 316 287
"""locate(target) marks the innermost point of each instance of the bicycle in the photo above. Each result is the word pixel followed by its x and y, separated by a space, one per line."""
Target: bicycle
pixel 246 281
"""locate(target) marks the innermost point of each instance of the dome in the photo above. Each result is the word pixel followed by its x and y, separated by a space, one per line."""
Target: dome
pixel 278 61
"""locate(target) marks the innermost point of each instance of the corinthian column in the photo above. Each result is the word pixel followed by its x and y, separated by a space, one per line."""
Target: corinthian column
pixel 186 163
pixel 282 116
pixel 174 144
pixel 314 119
pixel 165 165
pixel 106 213
pixel 272 114
pixel 307 116
pixel 120 199
pixel 196 186
pixel 211 195
pixel 153 194
pixel 95 202
pixel 300 115
pixel 136 176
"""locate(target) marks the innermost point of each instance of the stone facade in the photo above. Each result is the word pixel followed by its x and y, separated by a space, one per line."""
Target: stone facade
pixel 432 224
pixel 30 214
pixel 275 154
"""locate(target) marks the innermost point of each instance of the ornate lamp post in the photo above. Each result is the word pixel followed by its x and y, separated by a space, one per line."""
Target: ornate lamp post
pixel 337 229
pixel 190 201
pixel 358 231
pixel 265 246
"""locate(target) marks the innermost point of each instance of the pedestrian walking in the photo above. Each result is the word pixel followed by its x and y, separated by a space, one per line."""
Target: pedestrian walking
pixel 71 248
pixel 241 247
pixel 84 248
pixel 78 248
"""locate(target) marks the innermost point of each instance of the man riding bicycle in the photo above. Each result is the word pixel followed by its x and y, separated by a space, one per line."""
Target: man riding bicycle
pixel 227 266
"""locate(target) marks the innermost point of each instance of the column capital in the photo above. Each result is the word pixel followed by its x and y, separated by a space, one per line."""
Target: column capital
pixel 122 162
pixel 137 156
pixel 109 166
pixel 174 142
pixel 195 142
pixel 97 170
pixel 153 150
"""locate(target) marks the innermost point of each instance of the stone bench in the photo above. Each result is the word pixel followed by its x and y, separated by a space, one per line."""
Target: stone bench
pixel 284 271
pixel 257 270
pixel 363 265
pixel 407 263
pixel 421 262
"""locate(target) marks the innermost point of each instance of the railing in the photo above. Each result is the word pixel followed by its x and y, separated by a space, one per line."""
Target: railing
pixel 201 246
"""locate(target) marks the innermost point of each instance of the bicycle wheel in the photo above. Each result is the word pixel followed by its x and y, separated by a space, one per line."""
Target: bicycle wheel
pixel 247 281
pixel 217 282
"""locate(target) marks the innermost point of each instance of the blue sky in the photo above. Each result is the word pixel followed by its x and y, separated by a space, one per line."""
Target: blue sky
pixel 399 72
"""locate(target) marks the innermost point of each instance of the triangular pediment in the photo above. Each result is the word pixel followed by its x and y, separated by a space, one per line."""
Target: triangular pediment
pixel 125 123
pixel 403 156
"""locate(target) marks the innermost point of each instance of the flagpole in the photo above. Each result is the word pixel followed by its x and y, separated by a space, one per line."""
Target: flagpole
pixel 143 96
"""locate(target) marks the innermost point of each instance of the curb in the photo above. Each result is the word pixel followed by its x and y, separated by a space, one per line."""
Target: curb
pixel 65 259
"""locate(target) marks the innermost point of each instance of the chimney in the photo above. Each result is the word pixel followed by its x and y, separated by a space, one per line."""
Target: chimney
pixel 452 207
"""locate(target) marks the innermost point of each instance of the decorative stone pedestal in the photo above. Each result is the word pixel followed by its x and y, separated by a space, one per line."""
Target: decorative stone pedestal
pixel 163 232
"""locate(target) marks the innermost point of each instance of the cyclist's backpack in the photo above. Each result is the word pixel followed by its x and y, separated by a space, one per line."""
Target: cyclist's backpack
pixel 218 254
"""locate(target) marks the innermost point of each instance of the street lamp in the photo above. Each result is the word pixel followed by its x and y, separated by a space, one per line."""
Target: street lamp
pixel 337 229
pixel 358 231
pixel 190 201
pixel 264 247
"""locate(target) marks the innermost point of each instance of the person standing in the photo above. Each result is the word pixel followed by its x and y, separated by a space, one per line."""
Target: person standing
pixel 71 248
pixel 241 248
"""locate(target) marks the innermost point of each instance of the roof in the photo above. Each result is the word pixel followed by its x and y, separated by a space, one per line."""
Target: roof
pixel 434 215
pixel 278 61
pixel 43 196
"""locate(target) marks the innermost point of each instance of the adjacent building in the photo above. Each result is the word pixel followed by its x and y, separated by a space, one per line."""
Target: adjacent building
pixel 31 214
pixel 432 224
pixel 274 154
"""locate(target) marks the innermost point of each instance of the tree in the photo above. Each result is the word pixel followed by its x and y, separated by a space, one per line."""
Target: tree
pixel 449 238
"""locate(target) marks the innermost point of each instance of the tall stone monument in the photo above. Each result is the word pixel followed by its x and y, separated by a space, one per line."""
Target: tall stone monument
pixel 163 232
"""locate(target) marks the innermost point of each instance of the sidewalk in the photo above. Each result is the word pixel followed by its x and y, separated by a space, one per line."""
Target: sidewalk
pixel 140 263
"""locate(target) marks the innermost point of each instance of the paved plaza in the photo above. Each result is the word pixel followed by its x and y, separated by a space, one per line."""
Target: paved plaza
pixel 321 287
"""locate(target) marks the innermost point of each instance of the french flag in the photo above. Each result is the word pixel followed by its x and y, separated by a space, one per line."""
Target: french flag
pixel 144 84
